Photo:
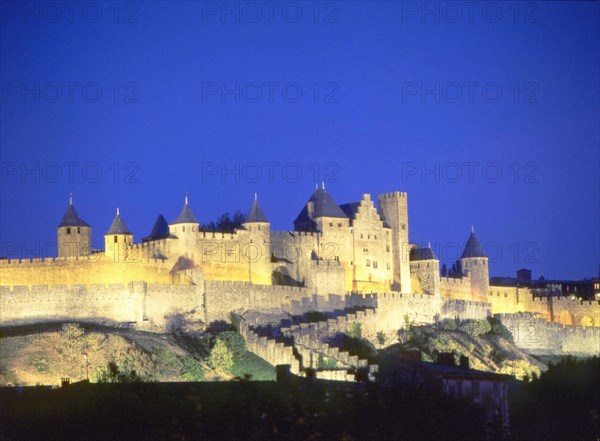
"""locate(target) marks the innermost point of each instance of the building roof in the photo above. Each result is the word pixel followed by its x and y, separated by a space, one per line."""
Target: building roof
pixel 118 226
pixel 71 218
pixel 159 231
pixel 256 214
pixel 422 253
pixel 459 372
pixel 186 216
pixel 320 204
pixel 350 209
pixel 473 248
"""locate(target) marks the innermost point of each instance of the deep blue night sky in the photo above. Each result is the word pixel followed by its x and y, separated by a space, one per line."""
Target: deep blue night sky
pixel 511 94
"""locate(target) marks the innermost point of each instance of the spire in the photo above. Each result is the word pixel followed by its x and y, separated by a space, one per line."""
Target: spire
pixel 159 231
pixel 118 226
pixel 185 216
pixel 71 218
pixel 472 229
pixel 256 214
pixel 473 248
pixel 323 185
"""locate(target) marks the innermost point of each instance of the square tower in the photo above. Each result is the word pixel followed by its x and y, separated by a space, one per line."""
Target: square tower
pixel 393 208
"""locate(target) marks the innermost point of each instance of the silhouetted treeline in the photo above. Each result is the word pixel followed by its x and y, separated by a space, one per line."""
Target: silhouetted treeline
pixel 237 411
pixel 225 223
pixel 563 404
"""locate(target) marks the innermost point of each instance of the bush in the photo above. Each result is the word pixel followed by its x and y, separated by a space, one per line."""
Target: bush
pixel 476 328
pixel 497 328
pixel 355 330
pixel 221 358
pixel 235 320
pixel 326 362
pixel 234 342
pixel 449 325
pixel 113 373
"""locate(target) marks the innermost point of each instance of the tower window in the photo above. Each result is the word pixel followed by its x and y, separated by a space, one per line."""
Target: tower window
pixel 374 264
pixel 68 230
pixel 387 248
pixel 368 262
pixel 115 239
pixel 340 225
pixel 78 230
pixel 331 224
pixel 375 236
pixel 183 229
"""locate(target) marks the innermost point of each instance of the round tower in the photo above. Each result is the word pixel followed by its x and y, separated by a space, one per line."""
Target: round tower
pixel 185 229
pixel 257 252
pixel 118 240
pixel 474 264
pixel 74 235
pixel 425 268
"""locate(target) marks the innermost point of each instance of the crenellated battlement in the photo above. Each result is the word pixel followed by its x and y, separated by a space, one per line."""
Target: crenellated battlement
pixel 393 195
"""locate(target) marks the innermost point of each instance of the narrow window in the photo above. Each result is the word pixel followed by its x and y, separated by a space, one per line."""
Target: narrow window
pixel 183 229
pixel 68 230
pixel 78 230
pixel 374 264
pixel 368 262
pixel 115 239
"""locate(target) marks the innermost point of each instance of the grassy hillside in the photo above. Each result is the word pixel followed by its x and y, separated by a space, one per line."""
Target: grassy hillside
pixel 487 343
pixel 70 350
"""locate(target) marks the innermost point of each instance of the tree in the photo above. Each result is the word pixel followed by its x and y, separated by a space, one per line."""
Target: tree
pixel 355 331
pixel 381 338
pixel 225 223
pixel 221 358
pixel 234 342
pixel 112 374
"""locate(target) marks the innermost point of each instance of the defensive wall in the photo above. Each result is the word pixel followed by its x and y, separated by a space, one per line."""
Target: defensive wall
pixel 537 336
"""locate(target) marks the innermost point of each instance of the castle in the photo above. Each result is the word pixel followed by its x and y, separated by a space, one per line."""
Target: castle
pixel 336 256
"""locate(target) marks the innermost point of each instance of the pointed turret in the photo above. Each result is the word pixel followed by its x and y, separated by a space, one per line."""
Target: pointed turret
pixel 256 214
pixel 474 264
pixel 185 223
pixel 319 206
pixel 118 239
pixel 185 216
pixel 118 226
pixel 256 218
pixel 160 230
pixel 473 248
pixel 74 235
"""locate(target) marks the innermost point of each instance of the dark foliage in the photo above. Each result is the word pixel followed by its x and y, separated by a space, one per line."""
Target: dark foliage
pixel 225 223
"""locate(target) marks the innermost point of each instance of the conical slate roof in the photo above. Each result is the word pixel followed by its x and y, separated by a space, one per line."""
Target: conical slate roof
pixel 321 205
pixel 424 253
pixel 160 230
pixel 472 248
pixel 186 216
pixel 71 218
pixel 256 214
pixel 118 226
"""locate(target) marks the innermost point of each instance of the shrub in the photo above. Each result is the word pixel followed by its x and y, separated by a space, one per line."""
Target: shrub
pixel 112 373
pixel 449 325
pixel 221 358
pixel 234 319
pixel 381 338
pixel 234 342
pixel 355 330
pixel 476 327
pixel 497 328
pixel 326 362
